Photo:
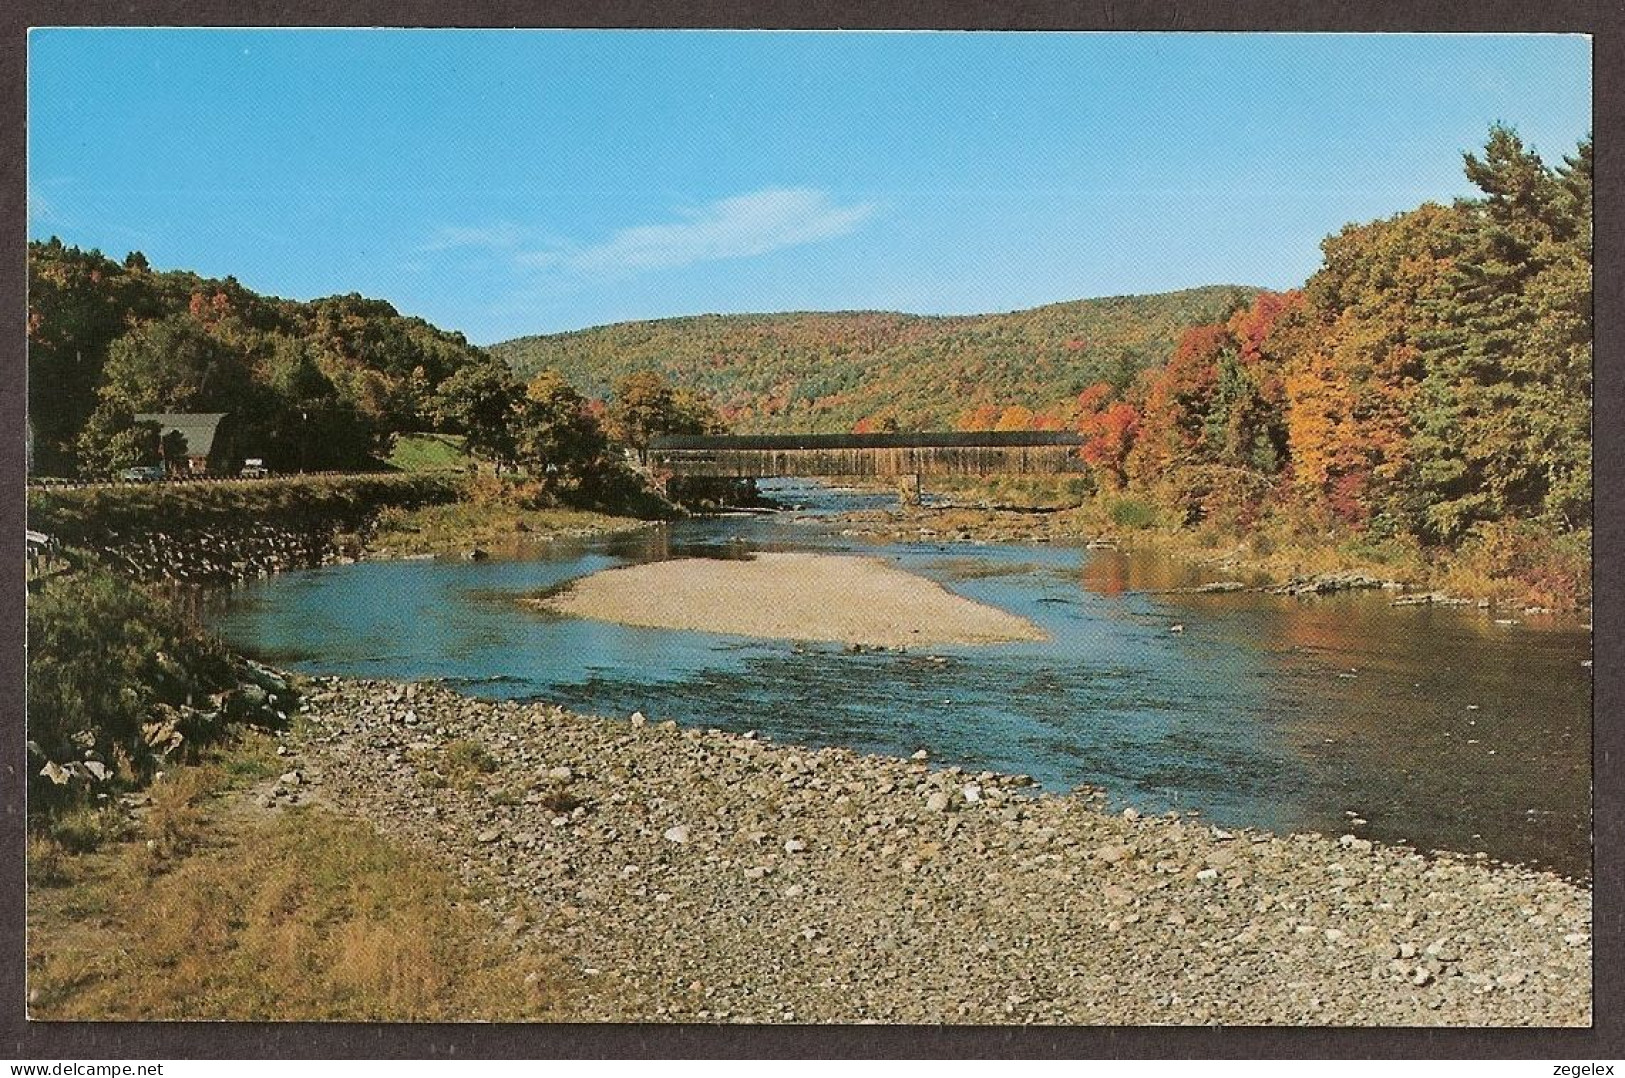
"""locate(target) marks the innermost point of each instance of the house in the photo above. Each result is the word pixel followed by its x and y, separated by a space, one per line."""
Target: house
pixel 207 440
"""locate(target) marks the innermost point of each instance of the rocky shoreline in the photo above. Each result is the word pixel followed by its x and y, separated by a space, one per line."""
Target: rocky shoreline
pixel 954 523
pixel 697 875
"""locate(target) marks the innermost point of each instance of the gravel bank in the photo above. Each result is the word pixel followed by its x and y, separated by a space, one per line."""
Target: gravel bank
pixel 701 876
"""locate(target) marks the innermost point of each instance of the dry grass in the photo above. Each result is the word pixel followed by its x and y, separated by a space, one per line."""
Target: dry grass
pixel 433 529
pixel 221 910
pixel 462 763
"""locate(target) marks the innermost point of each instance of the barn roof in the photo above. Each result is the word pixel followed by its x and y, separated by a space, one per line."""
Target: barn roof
pixel 198 428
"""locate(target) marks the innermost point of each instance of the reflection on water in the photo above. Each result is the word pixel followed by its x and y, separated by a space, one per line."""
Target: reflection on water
pixel 1437 726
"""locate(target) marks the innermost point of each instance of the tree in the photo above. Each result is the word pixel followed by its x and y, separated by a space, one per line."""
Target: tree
pixel 172 450
pixel 480 401
pixel 112 441
pixel 174 365
pixel 1108 428
pixel 1503 416
pixel 557 436
pixel 645 406
pixel 640 409
pixel 1353 366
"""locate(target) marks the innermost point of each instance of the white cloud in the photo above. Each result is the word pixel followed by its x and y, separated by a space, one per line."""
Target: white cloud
pixel 737 227
pixel 490 237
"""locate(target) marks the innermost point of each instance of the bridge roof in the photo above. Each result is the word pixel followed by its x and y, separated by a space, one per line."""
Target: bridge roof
pixel 947 439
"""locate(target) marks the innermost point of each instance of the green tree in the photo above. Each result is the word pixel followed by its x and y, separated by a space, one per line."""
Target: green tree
pixel 1504 416
pixel 480 401
pixel 112 441
pixel 557 437
pixel 174 365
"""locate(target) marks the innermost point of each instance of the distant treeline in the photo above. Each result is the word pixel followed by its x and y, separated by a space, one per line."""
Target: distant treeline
pixel 311 385
pixel 877 371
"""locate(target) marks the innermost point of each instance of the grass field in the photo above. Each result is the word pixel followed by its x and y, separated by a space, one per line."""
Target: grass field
pixel 212 906
pixel 429 453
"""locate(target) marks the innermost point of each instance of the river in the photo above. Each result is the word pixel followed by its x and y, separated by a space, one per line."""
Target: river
pixel 1437 727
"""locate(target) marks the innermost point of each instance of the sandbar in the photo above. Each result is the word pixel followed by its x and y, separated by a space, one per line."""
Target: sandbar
pixel 829 597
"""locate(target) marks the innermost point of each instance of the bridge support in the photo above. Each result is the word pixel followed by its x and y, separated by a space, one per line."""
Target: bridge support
pixel 908 490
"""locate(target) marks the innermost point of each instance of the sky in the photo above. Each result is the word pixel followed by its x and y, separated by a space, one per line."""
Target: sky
pixel 504 183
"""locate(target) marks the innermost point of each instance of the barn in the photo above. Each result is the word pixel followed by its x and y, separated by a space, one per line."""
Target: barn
pixel 208 443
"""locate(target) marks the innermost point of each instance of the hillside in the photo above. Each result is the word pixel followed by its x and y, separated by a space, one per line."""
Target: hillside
pixel 833 371
pixel 321 382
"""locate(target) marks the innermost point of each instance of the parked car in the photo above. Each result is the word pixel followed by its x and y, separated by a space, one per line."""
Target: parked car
pixel 142 473
pixel 254 468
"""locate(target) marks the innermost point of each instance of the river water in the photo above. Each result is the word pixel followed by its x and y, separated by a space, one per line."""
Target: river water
pixel 1438 727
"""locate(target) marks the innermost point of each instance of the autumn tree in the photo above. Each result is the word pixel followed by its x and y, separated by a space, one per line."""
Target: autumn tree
pixel 645 406
pixel 1109 428
pixel 1353 367
pixel 557 437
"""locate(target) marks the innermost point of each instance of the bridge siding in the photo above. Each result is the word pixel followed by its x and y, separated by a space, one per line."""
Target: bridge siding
pixel 889 462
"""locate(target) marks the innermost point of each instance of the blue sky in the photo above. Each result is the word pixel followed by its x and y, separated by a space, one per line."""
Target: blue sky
pixel 512 182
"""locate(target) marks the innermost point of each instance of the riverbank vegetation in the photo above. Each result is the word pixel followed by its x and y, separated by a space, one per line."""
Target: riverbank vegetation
pixel 84 514
pixel 145 741
pixel 329 922
pixel 341 383
pixel 1424 400
pixel 120 683
pixel 496 511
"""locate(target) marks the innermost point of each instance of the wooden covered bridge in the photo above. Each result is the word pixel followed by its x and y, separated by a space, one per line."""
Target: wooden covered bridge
pixel 906 457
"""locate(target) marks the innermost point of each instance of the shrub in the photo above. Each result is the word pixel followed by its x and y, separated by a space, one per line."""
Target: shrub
pixel 104 657
pixel 461 762
pixel 1133 513
pixel 1521 560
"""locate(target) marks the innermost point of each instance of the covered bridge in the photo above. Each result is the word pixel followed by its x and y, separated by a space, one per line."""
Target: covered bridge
pixel 925 453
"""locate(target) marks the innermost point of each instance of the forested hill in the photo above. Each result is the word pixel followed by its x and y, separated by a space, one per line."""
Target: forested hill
pixel 875 370
pixel 322 382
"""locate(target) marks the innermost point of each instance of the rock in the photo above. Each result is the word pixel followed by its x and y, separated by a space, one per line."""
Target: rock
pixel 291 778
pixel 1112 854
pixel 921 755
pixel 638 718
pixel 795 845
pixel 560 774
pixel 1131 815
pixel 489 835
pixel 678 834
pixel 937 802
